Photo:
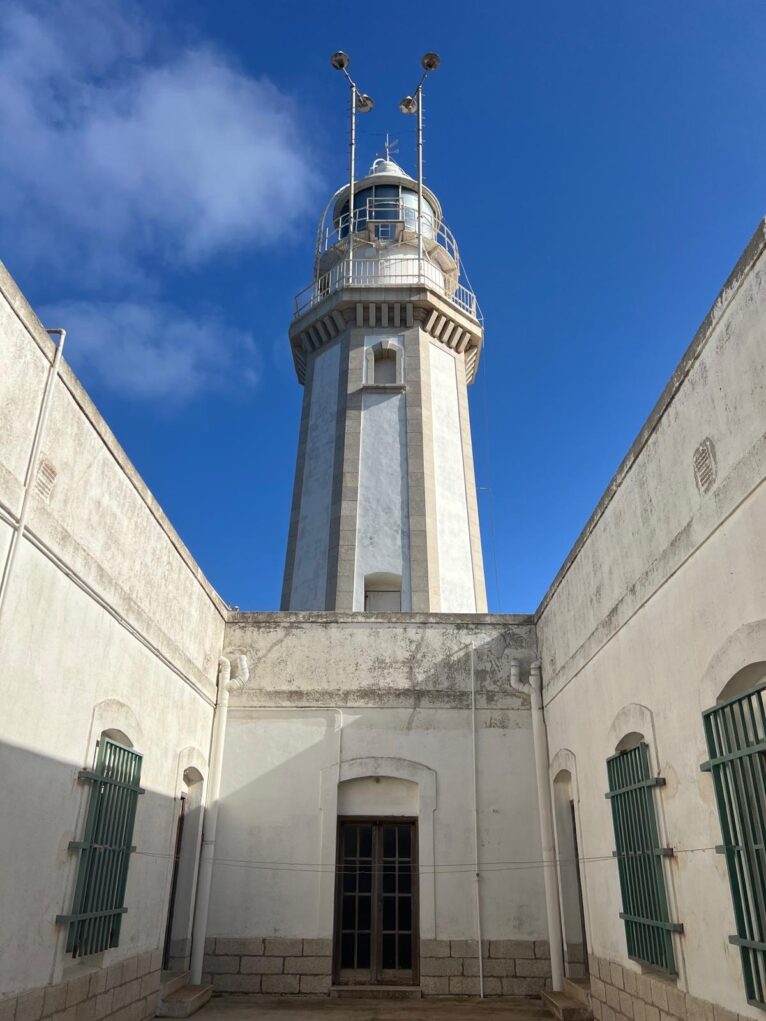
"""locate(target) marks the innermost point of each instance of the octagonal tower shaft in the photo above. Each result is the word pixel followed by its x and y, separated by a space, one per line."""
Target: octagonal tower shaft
pixel 384 513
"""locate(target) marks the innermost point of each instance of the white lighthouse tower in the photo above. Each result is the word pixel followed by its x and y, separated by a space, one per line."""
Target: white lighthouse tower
pixel 385 339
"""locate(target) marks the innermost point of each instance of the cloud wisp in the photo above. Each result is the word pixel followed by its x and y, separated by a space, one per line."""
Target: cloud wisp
pixel 128 158
pixel 154 350
pixel 126 161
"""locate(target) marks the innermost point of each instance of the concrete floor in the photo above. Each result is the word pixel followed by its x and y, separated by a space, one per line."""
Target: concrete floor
pixel 286 1008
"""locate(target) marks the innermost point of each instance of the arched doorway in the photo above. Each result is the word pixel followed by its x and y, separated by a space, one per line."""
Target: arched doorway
pixel 572 912
pixel 376 898
pixel 177 947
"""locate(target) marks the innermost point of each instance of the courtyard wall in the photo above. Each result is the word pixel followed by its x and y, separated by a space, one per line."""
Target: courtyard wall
pixel 108 625
pixel 661 602
pixel 351 714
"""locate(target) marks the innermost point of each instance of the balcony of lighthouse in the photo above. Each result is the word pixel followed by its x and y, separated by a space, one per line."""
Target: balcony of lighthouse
pixel 376 244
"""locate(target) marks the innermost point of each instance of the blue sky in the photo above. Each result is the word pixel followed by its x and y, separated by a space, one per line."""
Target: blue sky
pixel 164 166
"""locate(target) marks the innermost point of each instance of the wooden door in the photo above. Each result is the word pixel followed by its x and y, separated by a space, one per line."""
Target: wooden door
pixel 376 931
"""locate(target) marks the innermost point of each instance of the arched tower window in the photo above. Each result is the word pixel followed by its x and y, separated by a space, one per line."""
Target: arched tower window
pixel 384 364
pixel 383 593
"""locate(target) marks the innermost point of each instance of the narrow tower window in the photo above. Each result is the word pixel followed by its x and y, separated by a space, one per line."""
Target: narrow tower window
pixel 383 593
pixel 384 364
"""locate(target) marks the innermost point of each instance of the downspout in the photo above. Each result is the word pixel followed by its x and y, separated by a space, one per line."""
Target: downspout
pixel 42 420
pixel 226 684
pixel 476 825
pixel 545 807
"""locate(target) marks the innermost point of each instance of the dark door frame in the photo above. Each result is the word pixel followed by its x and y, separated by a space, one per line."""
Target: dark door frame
pixel 174 881
pixel 377 898
pixel 580 899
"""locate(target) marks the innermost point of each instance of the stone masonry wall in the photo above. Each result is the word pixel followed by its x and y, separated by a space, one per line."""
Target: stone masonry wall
pixel 126 991
pixel 511 967
pixel 447 967
pixel 621 994
pixel 268 965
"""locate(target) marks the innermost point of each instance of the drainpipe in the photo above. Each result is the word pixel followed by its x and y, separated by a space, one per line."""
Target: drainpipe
pixel 42 420
pixel 476 825
pixel 226 684
pixel 545 807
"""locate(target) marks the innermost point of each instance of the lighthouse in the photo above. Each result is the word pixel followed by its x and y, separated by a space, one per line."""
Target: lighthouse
pixel 385 340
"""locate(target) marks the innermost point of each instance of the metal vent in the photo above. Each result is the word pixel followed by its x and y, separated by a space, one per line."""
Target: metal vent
pixel 46 479
pixel 705 468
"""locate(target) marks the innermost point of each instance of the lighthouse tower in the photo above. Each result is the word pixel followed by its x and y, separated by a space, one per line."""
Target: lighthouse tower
pixel 385 340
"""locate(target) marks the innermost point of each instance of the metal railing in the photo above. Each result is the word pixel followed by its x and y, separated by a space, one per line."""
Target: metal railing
pixel 381 211
pixel 736 741
pixel 395 272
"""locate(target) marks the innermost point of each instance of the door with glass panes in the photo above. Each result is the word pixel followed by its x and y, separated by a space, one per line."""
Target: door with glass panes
pixel 376 931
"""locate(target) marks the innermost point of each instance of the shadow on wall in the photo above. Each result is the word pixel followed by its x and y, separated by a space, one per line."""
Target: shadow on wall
pixel 43 807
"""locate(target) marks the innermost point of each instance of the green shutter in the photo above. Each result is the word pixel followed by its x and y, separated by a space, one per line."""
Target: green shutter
pixel 94 923
pixel 648 928
pixel 736 741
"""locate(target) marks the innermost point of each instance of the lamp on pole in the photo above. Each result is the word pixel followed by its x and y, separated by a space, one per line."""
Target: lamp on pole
pixel 363 103
pixel 414 104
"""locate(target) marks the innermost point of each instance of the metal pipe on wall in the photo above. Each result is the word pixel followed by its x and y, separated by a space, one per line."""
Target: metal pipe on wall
pixel 226 684
pixel 42 420
pixel 545 810
pixel 476 824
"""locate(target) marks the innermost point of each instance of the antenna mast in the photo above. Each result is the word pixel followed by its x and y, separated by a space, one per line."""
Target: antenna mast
pixel 414 104
pixel 363 103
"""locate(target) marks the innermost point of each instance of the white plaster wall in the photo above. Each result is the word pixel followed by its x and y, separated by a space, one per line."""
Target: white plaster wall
pixel 658 610
pixel 311 549
pixel 382 531
pixel 271 827
pixel 454 543
pixel 401 690
pixel 108 622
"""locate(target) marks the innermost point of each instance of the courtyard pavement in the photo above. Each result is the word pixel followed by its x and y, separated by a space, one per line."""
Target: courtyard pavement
pixel 287 1008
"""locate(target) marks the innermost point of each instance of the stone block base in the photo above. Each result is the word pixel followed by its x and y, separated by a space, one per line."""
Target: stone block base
pixel 447 967
pixel 510 967
pixel 618 994
pixel 126 991
pixel 263 965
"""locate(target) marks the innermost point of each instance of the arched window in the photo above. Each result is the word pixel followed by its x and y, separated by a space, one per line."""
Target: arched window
pixel 735 729
pixel 105 848
pixel 383 593
pixel 645 910
pixel 384 364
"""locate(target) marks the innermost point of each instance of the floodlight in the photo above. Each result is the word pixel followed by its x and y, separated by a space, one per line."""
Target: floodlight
pixel 364 103
pixel 341 60
pixel 431 61
pixel 409 105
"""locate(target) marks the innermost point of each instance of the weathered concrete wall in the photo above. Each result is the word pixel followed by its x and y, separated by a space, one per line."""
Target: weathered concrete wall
pixel 662 600
pixel 336 699
pixel 452 528
pixel 108 624
pixel 309 579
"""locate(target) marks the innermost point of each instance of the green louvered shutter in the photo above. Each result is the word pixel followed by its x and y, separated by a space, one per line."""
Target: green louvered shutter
pixel 736 741
pixel 94 923
pixel 648 928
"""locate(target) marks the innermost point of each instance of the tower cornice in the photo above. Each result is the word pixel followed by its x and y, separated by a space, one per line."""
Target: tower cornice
pixel 391 308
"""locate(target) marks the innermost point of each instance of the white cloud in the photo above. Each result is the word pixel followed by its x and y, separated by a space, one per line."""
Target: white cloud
pixel 115 157
pixel 154 351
